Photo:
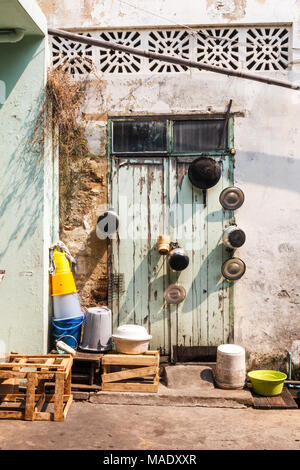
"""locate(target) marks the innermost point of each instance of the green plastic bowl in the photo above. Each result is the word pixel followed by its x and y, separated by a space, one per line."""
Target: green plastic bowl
pixel 267 383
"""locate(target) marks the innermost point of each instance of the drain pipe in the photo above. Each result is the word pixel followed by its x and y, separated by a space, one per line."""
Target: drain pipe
pixel 11 35
pixel 290 373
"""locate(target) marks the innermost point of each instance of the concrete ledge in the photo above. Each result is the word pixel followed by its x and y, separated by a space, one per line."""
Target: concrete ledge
pixel 216 398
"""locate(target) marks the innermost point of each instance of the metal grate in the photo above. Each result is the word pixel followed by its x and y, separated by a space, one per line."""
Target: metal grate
pixel 256 48
pixel 116 285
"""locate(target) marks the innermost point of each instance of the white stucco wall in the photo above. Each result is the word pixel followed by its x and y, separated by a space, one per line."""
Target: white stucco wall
pixel 267 142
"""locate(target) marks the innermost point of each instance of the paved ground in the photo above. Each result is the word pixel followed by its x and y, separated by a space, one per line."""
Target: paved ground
pixel 90 426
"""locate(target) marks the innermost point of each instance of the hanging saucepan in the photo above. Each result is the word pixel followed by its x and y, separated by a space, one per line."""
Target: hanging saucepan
pixel 234 237
pixel 107 224
pixel 178 259
pixel 233 269
pixel 204 172
pixel 231 198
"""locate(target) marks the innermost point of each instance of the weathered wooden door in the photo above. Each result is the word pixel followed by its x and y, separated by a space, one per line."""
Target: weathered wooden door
pixel 153 195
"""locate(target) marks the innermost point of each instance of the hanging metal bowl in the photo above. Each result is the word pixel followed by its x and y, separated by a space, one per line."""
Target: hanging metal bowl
pixel 233 269
pixel 231 198
pixel 178 259
pixel 204 172
pixel 234 237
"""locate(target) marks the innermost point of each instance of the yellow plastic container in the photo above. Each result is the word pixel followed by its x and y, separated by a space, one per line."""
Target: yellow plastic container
pixel 267 383
pixel 63 284
pixel 61 262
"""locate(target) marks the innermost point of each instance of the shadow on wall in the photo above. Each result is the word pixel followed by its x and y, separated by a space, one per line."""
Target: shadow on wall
pixel 14 59
pixel 22 194
pixel 22 185
pixel 265 169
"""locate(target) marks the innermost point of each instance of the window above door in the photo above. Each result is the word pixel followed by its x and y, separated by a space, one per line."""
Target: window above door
pixel 140 136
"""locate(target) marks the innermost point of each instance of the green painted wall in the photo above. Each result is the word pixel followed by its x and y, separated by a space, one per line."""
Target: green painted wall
pixel 27 187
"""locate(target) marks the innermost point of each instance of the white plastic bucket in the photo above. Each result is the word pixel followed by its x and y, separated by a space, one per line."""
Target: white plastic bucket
pixel 231 366
pixel 66 306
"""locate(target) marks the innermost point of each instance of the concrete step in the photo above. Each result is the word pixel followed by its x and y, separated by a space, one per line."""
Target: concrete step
pixel 188 377
pixel 182 385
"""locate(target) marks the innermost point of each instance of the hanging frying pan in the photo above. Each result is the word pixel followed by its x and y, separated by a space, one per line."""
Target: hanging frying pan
pixel 231 198
pixel 204 172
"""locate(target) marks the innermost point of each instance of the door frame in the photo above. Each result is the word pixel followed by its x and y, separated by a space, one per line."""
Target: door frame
pixel 229 151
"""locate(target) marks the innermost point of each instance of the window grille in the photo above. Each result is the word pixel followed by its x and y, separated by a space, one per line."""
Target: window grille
pixel 259 48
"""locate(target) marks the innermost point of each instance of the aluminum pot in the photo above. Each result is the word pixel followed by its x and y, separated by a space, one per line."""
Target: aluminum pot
pixel 131 339
pixel 97 330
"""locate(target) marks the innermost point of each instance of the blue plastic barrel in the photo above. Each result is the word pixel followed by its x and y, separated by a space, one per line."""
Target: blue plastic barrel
pixel 68 331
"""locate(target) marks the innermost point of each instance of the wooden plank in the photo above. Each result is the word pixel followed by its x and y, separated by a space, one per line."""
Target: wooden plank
pixel 116 240
pixel 11 414
pixel 59 393
pixel 7 374
pixel 67 406
pixel 30 396
pixel 43 416
pixel 288 399
pixel 115 359
pixel 198 243
pixel 140 244
pixel 215 256
pixel 156 264
pixel 126 248
pixel 260 402
pixel 128 374
pixel 185 240
pixel 125 387
pixel 228 219
pixel 173 232
pixel 15 397
pixel 276 403
pixel 40 403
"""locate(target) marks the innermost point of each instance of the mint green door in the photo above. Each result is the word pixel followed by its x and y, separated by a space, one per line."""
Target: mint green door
pixel 153 195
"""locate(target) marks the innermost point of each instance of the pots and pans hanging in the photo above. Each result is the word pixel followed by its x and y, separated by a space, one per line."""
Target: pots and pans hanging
pixel 204 172
pixel 231 198
pixel 174 294
pixel 233 269
pixel 178 259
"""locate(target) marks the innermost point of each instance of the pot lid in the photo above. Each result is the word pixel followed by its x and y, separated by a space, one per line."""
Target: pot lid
pixel 174 294
pixel 204 172
pixel 132 332
pixel 233 269
pixel 231 198
pixel 231 349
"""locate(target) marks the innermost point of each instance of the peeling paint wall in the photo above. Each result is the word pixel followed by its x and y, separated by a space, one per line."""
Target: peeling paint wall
pixel 267 142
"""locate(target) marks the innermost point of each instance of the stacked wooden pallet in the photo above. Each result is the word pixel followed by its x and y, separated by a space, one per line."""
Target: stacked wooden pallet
pixel 136 372
pixel 37 370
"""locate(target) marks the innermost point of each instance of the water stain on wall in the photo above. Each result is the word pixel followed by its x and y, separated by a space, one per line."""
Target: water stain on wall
pixel 228 9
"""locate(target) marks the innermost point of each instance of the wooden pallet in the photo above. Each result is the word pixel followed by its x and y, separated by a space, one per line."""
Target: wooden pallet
pixel 139 372
pixel 38 370
pixel 281 402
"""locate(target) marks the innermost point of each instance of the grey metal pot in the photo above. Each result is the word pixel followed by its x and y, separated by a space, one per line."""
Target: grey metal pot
pixel 97 330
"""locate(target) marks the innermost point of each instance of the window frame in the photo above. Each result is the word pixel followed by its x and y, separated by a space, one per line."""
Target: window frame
pixel 170 138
